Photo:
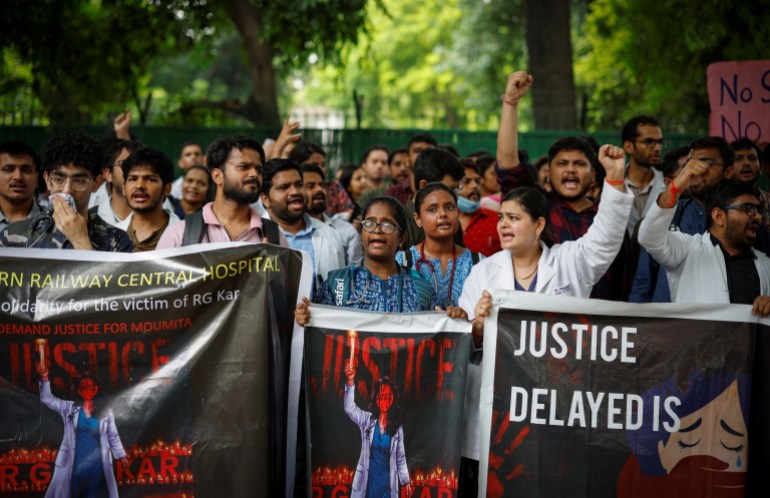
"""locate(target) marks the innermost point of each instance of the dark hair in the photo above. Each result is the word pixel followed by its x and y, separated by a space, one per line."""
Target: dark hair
pixel 219 151
pixel 17 148
pixel 468 163
pixel 396 152
pixel 394 413
pixel 540 162
pixel 724 193
pixel 154 158
pixel 531 200
pixel 484 163
pixel 113 148
pixel 746 143
pixel 572 143
pixel 766 154
pixel 433 164
pixel 424 138
pixel 429 189
pixel 451 149
pixel 211 191
pixel 275 166
pixel 76 148
pixel 303 150
pixel 631 129
pixel 669 162
pixel 395 207
pixel 728 156
pixel 188 144
pixel 347 174
pixel 372 149
pixel 312 168
pixel 479 153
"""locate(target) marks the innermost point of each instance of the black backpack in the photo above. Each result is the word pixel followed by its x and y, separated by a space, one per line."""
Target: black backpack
pixel 194 228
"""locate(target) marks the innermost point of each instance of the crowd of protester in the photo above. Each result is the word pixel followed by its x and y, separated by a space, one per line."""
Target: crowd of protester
pixel 419 228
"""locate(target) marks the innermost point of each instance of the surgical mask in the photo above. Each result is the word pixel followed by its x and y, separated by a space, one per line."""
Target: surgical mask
pixel 467 206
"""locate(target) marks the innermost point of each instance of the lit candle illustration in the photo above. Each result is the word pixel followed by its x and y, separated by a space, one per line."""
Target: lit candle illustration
pixel 352 335
pixel 40 346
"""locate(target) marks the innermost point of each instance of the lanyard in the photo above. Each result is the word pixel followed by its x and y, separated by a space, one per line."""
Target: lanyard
pixel 448 302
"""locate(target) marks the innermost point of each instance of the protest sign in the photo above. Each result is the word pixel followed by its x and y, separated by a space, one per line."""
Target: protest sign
pixel 591 398
pixel 739 96
pixel 160 374
pixel 385 402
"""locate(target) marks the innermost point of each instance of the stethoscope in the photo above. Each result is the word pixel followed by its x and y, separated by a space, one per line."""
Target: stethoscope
pixel 448 302
pixel 362 299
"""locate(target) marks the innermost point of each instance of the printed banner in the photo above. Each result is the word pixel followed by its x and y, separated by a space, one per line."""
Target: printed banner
pixel 739 96
pixel 385 403
pixel 156 375
pixel 598 399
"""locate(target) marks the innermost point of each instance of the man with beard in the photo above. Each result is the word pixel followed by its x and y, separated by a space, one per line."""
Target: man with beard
pixel 479 225
pixel 746 168
pixel 18 179
pixel 283 195
pixel 236 169
pixel 148 174
pixel 643 142
pixel 571 173
pixel 718 266
pixel 315 205
pixel 112 205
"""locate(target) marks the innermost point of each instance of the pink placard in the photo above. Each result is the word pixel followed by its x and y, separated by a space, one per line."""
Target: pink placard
pixel 739 95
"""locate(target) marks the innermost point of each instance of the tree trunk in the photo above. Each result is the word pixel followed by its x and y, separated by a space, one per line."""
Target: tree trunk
pixel 550 62
pixel 262 105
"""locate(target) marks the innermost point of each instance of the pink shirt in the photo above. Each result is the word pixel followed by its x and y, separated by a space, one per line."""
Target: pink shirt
pixel 216 232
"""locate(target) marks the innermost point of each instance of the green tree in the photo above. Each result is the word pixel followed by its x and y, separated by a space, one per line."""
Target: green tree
pixel 85 56
pixel 651 57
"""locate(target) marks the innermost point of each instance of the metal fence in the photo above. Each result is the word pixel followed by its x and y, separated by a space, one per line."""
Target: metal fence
pixel 341 146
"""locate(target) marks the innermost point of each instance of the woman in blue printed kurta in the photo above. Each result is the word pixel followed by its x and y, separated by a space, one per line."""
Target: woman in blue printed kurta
pixel 377 283
pixel 437 258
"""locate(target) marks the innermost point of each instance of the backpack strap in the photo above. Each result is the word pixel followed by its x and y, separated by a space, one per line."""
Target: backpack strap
pixel 193 228
pixel 339 284
pixel 270 233
pixel 424 289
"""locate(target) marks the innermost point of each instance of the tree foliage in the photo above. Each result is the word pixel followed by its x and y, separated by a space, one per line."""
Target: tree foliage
pixel 651 57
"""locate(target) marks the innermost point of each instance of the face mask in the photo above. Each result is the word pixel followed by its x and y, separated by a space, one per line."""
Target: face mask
pixel 467 206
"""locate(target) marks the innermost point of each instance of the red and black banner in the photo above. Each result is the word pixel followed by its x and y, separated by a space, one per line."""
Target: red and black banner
pixel 385 403
pixel 123 375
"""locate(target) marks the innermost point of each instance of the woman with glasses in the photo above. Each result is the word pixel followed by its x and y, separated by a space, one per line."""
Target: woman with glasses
pixel 437 258
pixel 378 282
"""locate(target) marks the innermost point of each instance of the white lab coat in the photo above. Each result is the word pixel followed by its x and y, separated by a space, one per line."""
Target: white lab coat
pixel 111 447
pixel 694 265
pixel 570 268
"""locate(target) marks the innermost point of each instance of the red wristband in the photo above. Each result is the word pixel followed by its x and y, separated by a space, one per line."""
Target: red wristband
pixel 615 182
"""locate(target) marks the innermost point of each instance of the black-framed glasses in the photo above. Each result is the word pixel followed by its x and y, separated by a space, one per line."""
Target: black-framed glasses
pixel 385 226
pixel 652 142
pixel 79 183
pixel 749 208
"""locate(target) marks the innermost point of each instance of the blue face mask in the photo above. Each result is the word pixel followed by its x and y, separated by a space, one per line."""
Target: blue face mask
pixel 467 206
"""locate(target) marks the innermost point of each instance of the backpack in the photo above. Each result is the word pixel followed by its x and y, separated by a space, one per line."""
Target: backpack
pixel 194 230
pixel 339 283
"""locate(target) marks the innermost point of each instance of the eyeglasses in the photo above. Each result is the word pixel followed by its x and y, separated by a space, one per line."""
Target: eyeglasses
pixel 652 142
pixel 385 226
pixel 78 183
pixel 749 208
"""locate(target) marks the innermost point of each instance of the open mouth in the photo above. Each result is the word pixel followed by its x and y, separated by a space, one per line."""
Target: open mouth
pixel 571 182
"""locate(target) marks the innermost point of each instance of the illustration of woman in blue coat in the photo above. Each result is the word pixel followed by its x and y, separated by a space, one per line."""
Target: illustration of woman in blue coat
pixel 84 467
pixel 382 464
